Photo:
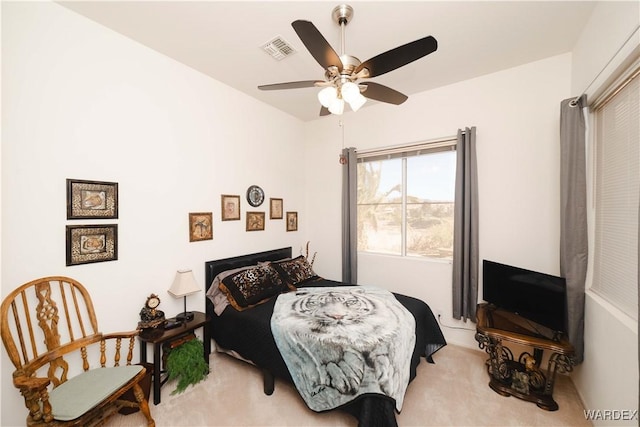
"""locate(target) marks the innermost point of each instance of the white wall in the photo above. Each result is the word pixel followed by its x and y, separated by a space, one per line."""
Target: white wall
pixel 608 378
pixel 516 113
pixel 80 101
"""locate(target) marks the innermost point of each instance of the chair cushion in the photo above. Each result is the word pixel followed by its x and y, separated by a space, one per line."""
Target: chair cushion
pixel 79 394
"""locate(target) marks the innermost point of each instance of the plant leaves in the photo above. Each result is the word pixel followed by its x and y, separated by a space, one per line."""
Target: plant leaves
pixel 186 364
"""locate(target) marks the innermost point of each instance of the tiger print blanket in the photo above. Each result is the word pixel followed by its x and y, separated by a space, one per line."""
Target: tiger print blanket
pixel 342 342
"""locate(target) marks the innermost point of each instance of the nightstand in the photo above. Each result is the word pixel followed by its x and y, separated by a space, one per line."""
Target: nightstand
pixel 160 337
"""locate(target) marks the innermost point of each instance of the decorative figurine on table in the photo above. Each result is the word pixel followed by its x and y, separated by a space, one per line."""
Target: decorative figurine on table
pixel 150 317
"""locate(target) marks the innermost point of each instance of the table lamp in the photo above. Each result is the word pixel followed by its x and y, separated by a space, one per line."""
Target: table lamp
pixel 184 284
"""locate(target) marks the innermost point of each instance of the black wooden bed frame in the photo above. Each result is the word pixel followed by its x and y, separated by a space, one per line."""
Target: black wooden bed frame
pixel 213 268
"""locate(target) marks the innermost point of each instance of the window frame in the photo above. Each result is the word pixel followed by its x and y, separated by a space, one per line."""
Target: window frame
pixel 404 152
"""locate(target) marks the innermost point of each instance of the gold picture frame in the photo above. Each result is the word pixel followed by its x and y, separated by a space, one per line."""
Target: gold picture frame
pixel 275 208
pixel 292 221
pixel 255 221
pixel 92 199
pixel 200 226
pixel 91 243
pixel 230 206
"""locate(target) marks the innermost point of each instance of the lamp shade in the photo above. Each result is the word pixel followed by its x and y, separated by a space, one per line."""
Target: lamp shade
pixel 184 284
pixel 350 91
pixel 327 95
pixel 351 94
pixel 357 102
pixel 337 106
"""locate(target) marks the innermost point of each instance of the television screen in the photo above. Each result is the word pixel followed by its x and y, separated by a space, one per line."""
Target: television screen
pixel 538 297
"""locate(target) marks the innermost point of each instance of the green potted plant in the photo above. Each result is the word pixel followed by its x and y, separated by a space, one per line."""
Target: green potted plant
pixel 186 364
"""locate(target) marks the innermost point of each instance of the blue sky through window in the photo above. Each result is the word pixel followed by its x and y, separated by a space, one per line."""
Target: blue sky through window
pixel 429 177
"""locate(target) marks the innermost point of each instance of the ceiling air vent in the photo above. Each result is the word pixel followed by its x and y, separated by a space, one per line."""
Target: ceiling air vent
pixel 278 48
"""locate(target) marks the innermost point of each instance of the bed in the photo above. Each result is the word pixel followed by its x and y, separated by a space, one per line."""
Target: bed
pixel 248 335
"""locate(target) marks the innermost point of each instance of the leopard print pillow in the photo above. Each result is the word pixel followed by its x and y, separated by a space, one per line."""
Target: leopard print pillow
pixel 296 271
pixel 253 286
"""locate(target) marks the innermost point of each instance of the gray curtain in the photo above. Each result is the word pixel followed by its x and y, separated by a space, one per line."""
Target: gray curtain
pixel 465 228
pixel 349 216
pixel 573 216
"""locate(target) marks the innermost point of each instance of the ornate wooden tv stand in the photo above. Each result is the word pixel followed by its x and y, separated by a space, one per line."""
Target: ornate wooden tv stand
pixel 523 377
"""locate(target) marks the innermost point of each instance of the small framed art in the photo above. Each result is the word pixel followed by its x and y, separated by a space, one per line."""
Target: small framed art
pixel 255 221
pixel 292 221
pixel 92 199
pixel 230 207
pixel 200 226
pixel 91 243
pixel 275 208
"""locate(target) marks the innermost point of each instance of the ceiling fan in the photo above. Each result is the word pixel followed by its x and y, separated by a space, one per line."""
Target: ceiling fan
pixel 345 76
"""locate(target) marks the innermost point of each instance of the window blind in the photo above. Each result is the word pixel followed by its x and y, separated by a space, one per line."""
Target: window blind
pixel 618 197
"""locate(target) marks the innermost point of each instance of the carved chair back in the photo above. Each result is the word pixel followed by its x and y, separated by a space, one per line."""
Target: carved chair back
pixel 52 313
pixel 47 328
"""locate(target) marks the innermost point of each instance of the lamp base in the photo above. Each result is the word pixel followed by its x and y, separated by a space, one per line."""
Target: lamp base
pixel 185 317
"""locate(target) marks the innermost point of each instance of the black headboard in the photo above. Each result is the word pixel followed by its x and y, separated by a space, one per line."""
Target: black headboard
pixel 213 268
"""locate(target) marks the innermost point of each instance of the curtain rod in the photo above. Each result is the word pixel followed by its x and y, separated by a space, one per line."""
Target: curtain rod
pixel 577 98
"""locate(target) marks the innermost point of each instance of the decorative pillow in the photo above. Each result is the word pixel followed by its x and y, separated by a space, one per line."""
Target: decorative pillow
pixel 215 294
pixel 250 287
pixel 271 262
pixel 295 271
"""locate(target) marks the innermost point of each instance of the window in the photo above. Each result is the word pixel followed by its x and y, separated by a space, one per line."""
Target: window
pixel 405 200
pixel 617 181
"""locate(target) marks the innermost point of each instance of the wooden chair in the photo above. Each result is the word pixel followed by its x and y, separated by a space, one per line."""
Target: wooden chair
pixel 50 332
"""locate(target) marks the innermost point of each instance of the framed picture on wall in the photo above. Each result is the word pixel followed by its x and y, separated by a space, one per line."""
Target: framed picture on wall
pixel 91 243
pixel 255 221
pixel 292 221
pixel 200 226
pixel 230 207
pixel 92 199
pixel 275 208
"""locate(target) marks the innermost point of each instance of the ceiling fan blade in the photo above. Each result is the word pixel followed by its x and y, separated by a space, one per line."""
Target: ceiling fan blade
pixel 398 57
pixel 324 111
pixel 290 85
pixel 383 93
pixel 316 44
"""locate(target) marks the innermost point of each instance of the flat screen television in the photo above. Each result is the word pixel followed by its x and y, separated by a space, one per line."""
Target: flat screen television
pixel 539 297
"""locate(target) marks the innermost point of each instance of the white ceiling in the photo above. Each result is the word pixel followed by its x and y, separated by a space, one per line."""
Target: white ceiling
pixel 222 38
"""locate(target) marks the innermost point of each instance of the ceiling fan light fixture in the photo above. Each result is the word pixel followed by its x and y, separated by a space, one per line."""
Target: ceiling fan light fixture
pixel 327 96
pixel 357 102
pixel 337 106
pixel 349 91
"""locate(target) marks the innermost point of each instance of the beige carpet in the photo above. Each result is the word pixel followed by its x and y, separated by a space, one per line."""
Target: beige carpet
pixel 452 392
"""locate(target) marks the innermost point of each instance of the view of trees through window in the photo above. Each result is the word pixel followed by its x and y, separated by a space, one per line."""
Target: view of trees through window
pixel 405 205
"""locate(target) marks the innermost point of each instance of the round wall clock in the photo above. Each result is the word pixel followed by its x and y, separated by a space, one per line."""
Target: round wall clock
pixel 255 195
